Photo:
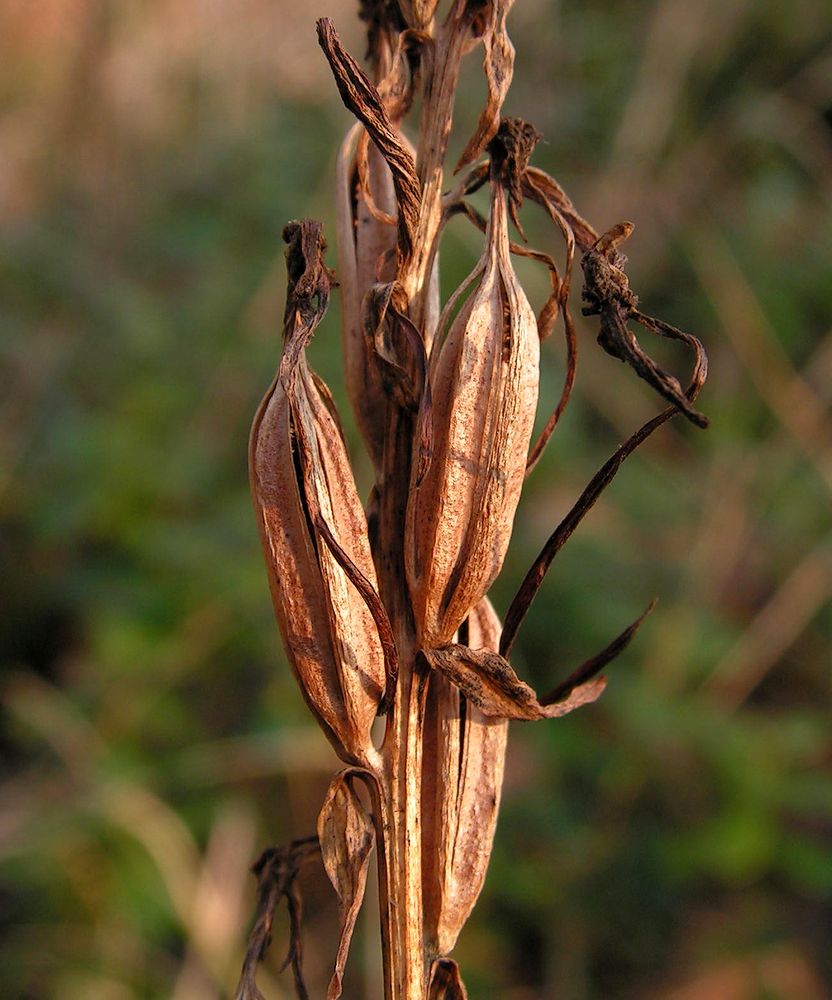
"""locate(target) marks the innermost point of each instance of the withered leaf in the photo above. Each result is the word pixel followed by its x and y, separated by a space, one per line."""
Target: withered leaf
pixel 498 63
pixel 607 294
pixel 489 681
pixel 528 589
pixel 346 834
pixel 445 981
pixel 362 98
pixel 276 870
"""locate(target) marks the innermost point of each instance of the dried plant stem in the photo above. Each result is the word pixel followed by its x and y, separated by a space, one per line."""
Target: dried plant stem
pixel 399 785
pixel 401 887
pixel 385 610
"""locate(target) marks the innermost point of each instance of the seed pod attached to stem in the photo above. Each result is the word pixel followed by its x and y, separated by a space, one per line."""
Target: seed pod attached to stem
pixel 463 776
pixel 313 528
pixel 484 379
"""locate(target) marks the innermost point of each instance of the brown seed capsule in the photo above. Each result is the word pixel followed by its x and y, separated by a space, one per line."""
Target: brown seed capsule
pixel 464 759
pixel 484 379
pixel 366 254
pixel 307 508
pixel 367 241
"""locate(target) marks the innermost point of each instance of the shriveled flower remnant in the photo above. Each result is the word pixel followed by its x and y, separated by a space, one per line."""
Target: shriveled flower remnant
pixel 384 608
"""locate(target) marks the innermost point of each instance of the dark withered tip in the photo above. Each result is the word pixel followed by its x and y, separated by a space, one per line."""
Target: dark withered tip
pixel 512 147
pixel 510 151
pixel 305 252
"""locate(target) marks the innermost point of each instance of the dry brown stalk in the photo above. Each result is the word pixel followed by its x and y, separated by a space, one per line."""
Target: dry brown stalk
pixel 384 611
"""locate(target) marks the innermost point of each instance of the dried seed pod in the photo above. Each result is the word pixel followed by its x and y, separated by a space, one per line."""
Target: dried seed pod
pixel 463 775
pixel 366 254
pixel 484 379
pixel 367 240
pixel 312 525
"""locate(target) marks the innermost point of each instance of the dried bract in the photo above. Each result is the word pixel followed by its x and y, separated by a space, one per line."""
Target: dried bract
pixel 346 835
pixel 461 785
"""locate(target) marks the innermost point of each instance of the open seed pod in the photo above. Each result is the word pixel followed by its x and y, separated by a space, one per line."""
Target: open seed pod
pixel 312 525
pixel 484 380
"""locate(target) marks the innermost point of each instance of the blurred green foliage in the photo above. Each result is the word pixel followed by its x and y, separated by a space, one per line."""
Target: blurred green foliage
pixel 671 841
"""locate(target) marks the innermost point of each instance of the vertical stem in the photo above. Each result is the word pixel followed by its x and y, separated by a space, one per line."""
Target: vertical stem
pixel 399 805
pixel 401 789
pixel 400 882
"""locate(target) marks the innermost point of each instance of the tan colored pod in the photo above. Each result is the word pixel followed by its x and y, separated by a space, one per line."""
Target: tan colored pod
pixel 484 380
pixel 366 254
pixel 300 477
pixel 461 795
pixel 367 238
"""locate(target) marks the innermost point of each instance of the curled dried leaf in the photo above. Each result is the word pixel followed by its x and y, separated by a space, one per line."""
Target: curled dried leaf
pixel 363 99
pixel 489 682
pixel 346 834
pixel 276 870
pixel 301 479
pixel 608 295
pixel 498 63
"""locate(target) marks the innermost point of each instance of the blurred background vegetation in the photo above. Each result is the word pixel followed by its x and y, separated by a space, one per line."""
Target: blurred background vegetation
pixel 672 841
